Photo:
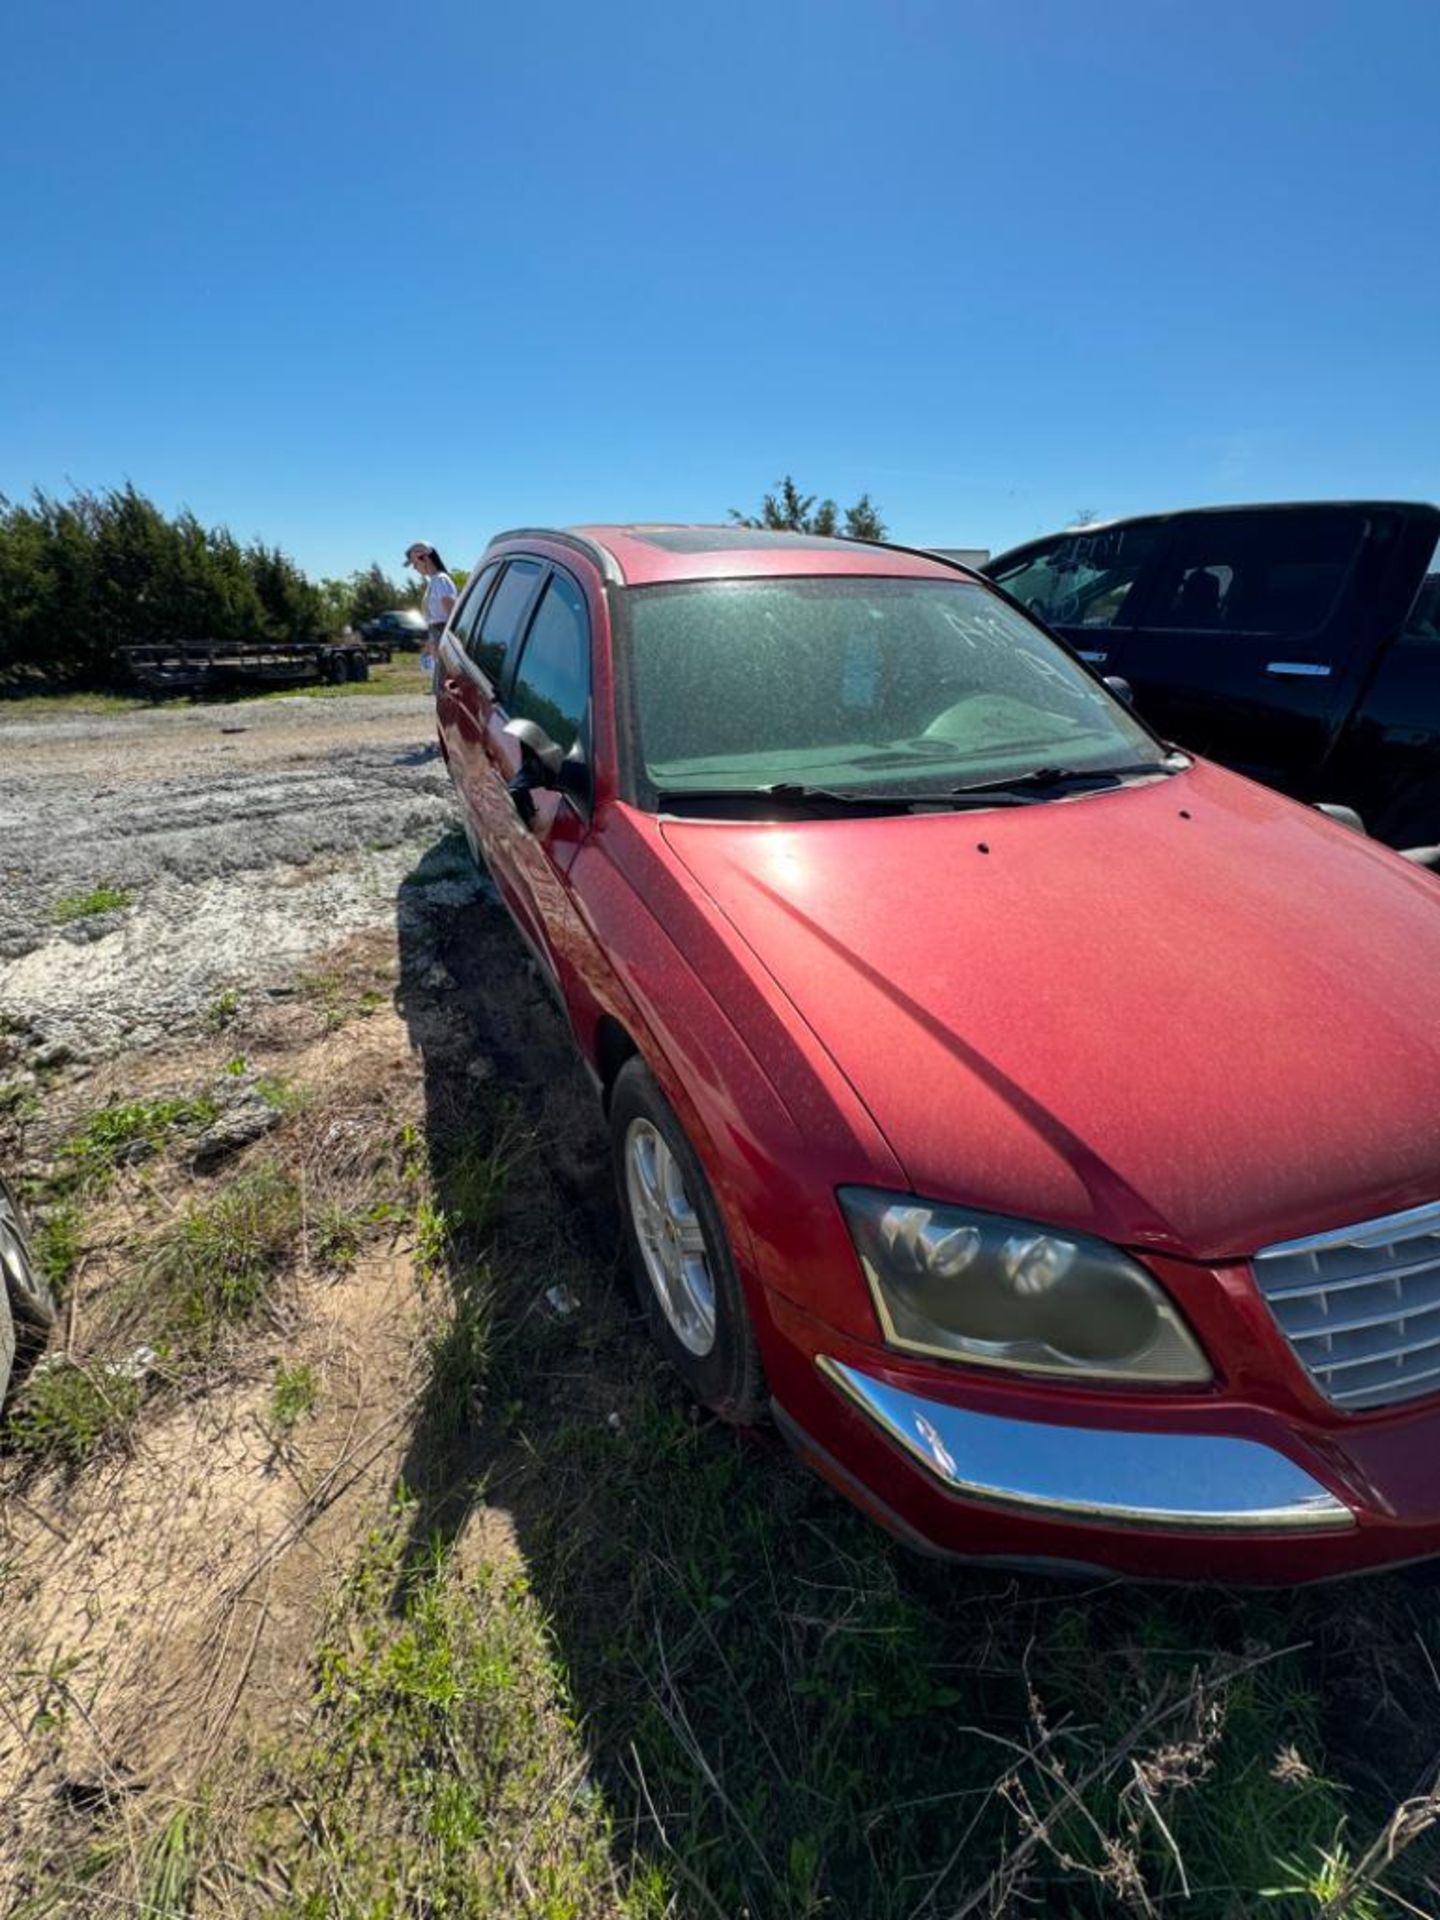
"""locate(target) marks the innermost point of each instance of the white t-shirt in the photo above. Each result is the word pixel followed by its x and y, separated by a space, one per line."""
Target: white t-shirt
pixel 438 587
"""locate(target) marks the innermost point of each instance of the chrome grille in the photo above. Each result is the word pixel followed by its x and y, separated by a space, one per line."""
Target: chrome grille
pixel 1361 1307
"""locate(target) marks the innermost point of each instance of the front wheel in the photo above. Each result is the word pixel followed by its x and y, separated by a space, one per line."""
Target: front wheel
pixel 679 1252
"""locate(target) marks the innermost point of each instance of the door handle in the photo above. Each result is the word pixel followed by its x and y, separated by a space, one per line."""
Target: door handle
pixel 1094 659
pixel 1298 670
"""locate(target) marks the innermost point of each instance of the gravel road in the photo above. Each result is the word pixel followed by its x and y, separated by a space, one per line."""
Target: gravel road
pixel 249 837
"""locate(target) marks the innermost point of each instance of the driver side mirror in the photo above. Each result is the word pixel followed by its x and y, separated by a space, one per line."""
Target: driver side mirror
pixel 545 764
pixel 1121 689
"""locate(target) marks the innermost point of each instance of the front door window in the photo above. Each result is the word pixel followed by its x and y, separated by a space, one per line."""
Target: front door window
pixel 1083 579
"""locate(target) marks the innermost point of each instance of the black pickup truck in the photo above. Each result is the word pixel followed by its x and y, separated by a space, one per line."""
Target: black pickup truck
pixel 1297 643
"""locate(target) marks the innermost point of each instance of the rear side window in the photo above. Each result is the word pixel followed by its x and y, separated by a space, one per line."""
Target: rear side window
pixel 552 680
pixel 503 617
pixel 466 614
pixel 1270 574
pixel 1083 579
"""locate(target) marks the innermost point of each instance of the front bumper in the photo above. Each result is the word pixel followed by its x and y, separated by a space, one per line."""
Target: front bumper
pixel 1205 1482
pixel 1200 1487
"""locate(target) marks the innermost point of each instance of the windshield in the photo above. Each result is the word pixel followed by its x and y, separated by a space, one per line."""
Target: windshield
pixel 864 684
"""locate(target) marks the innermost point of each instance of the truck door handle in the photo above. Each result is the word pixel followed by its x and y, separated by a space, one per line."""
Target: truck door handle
pixel 1095 659
pixel 1298 670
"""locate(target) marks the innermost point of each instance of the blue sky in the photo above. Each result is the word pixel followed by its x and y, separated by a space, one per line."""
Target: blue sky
pixel 344 277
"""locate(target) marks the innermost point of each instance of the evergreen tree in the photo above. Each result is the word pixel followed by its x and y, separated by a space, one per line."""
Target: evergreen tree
pixel 863 522
pixel 787 510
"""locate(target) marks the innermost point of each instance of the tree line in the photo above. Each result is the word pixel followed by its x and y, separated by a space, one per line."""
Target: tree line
pixel 84 576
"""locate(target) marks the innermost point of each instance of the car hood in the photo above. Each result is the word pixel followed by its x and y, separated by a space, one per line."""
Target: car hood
pixel 1188 1015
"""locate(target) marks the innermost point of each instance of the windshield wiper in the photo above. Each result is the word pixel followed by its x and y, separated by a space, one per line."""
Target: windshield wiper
pixel 1058 778
pixel 788 794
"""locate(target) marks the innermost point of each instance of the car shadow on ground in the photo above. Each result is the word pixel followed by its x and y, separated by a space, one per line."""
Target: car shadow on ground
pixel 785 1711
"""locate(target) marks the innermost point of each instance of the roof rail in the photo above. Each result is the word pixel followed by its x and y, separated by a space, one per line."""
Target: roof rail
pixel 918 553
pixel 582 543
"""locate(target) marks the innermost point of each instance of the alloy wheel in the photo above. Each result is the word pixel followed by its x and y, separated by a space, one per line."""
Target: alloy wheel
pixel 671 1238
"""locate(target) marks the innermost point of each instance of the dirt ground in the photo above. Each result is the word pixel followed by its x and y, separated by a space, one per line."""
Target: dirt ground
pixel 171 1593
pixel 249 835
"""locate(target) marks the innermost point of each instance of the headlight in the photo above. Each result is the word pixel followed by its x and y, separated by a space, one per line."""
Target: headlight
pixel 1006 1293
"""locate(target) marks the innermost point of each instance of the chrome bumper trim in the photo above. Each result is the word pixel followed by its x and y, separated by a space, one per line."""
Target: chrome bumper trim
pixel 1213 1483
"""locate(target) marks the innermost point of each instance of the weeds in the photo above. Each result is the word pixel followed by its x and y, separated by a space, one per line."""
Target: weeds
pixel 127 1131
pixel 222 1010
pixel 281 1096
pixel 432 1241
pixel 474 1169
pixel 69 1413
pixel 18 1101
pixel 172 1866
pixel 82 906
pixel 335 1235
pixel 56 1244
pixel 293 1396
pixel 442 1772
pixel 219 1262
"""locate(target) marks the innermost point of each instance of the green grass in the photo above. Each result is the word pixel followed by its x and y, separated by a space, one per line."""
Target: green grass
pixel 335 1236
pixel 442 1772
pixel 399 675
pixel 68 1414
pixel 222 1010
pixel 83 906
pixel 35 706
pixel 171 1865
pixel 129 1130
pixel 18 1101
pixel 281 1096
pixel 57 1243
pixel 218 1264
pixel 293 1396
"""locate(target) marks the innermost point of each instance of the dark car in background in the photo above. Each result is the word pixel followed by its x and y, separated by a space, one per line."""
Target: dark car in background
pixel 1298 643
pixel 401 627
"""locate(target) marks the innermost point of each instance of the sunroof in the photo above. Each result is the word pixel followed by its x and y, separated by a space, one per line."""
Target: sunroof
pixel 727 539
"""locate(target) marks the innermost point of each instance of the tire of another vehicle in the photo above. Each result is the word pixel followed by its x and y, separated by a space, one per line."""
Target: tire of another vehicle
pixel 357 666
pixel 679 1252
pixel 31 1298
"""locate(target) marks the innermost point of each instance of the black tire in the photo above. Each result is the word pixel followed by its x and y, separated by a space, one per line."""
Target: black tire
pixel 333 667
pixel 31 1299
pixel 726 1376
pixel 357 666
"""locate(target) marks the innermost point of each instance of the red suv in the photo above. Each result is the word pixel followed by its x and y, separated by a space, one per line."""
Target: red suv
pixel 1042 1124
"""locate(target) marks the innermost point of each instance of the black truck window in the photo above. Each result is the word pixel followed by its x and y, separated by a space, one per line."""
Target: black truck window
pixel 1084 578
pixel 1261 573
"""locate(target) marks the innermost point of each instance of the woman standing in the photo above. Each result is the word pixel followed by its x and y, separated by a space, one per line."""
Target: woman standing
pixel 440 596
